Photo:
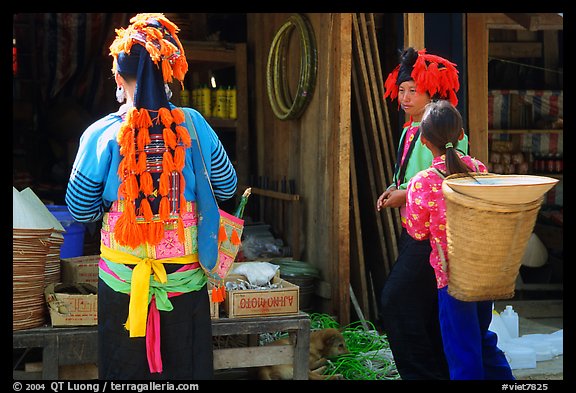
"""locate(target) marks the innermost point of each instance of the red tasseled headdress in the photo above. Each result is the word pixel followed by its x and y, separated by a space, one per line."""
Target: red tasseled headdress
pixel 432 74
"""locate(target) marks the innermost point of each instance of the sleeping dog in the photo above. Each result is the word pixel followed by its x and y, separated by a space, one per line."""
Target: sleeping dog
pixel 324 344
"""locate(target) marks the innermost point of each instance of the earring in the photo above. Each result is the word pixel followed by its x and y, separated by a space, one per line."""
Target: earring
pixel 168 91
pixel 120 94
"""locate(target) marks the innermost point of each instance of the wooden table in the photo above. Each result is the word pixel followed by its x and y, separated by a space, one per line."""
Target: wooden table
pixel 79 345
pixel 61 346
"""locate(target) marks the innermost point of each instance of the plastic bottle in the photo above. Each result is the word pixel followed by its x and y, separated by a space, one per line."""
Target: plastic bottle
pixel 220 109
pixel 231 102
pixel 206 104
pixel 184 97
pixel 510 319
pixel 498 327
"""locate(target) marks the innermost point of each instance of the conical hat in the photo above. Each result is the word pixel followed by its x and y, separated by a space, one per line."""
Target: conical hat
pixel 27 215
pixel 31 197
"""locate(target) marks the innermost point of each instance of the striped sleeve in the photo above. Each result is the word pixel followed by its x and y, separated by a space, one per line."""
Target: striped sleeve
pixel 91 171
pixel 223 176
pixel 84 198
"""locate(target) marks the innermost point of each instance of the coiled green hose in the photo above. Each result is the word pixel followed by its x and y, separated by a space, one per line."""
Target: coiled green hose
pixel 283 106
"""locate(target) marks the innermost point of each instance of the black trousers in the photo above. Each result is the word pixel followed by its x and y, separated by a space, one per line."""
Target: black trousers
pixel 409 312
pixel 186 338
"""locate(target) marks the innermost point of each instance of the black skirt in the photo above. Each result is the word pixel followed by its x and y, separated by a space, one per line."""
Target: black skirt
pixel 185 338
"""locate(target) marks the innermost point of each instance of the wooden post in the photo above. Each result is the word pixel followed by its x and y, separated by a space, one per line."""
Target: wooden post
pixel 413 34
pixel 477 70
pixel 414 30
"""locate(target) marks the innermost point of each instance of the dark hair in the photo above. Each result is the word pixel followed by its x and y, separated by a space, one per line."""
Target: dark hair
pixel 441 125
pixel 407 60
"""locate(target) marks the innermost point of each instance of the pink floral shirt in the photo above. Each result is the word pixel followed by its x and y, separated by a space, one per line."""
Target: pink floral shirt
pixel 426 211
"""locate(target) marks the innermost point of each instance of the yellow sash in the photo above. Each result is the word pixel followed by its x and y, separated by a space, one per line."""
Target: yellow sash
pixel 140 284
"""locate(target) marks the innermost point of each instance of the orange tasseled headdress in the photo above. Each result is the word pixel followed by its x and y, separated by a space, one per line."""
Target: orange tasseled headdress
pixel 433 75
pixel 152 141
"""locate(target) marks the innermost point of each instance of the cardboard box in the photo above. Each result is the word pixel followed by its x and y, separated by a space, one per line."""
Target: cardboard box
pixel 283 300
pixel 80 269
pixel 72 304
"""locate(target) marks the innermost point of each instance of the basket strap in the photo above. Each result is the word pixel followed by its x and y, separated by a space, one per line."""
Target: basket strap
pixel 442 257
pixel 439 172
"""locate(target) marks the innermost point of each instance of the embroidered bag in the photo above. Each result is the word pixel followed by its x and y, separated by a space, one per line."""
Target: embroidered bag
pixel 219 232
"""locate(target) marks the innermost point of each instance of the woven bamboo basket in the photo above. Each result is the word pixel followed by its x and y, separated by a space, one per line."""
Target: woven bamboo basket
pixel 486 243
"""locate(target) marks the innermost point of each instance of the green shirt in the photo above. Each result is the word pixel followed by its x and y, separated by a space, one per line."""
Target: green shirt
pixel 421 157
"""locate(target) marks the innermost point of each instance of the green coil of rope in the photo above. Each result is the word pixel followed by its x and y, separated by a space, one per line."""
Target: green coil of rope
pixel 283 106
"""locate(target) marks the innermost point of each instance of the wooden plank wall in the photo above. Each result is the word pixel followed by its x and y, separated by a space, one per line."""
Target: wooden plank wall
pixel 313 150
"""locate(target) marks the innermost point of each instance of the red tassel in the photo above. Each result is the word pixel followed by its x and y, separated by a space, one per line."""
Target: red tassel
pixel 222 234
pixel 235 239
pixel 390 84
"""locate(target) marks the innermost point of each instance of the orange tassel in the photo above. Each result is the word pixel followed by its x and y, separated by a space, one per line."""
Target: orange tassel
pixel 131 187
pixel 222 234
pixel 179 156
pixel 155 232
pixel 146 183
pixel 154 52
pixel 181 233
pixel 166 71
pixel 121 191
pixel 183 136
pixel 128 233
pixel 146 210
pixel 144 120
pixel 167 162
pixel 164 184
pixel 218 294
pixel 165 116
pixel 164 209
pixel 182 201
pixel 169 138
pixel 141 163
pixel 178 116
pixel 143 138
pixel 132 165
pixel 235 239
pixel 132 117
pixel 126 140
